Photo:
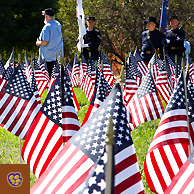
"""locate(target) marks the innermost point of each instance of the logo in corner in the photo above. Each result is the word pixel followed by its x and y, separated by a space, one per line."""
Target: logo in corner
pixel 14 179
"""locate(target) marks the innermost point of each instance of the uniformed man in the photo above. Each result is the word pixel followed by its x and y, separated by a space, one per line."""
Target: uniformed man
pixel 152 40
pixel 92 40
pixel 175 40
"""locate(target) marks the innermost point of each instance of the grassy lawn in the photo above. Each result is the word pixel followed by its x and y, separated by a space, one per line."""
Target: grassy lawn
pixel 142 137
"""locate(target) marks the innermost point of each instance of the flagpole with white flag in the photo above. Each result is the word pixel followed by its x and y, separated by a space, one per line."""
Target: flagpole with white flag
pixel 81 23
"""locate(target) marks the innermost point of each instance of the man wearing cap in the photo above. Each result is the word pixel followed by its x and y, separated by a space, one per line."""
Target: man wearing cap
pixel 92 40
pixel 152 40
pixel 175 40
pixel 50 41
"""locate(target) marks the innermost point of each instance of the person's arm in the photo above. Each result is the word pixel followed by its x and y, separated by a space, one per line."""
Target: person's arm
pixel 41 43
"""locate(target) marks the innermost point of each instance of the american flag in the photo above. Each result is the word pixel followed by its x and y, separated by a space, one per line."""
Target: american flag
pixel 133 68
pixel 43 67
pixel 108 74
pixel 141 65
pixel 18 107
pixel 75 72
pixel 169 148
pixel 55 73
pixel 10 61
pixel 2 69
pixel 182 183
pixel 102 90
pixel 70 168
pixel 171 65
pixel 146 104
pixel 153 65
pixel 27 68
pixel 70 122
pixel 88 81
pixel 189 66
pixel 44 140
pixel 8 72
pixel 40 77
pixel 164 83
pixel 83 67
pixel 131 86
pixel 3 82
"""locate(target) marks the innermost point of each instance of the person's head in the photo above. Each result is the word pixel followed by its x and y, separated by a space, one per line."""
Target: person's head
pixel 90 22
pixel 174 21
pixel 151 23
pixel 49 14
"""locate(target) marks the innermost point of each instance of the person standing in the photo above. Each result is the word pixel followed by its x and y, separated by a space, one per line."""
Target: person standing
pixel 175 40
pixel 92 40
pixel 153 40
pixel 50 41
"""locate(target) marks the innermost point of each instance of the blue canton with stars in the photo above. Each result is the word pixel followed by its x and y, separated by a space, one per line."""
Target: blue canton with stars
pixel 147 86
pixel 18 85
pixel 91 137
pixel 52 105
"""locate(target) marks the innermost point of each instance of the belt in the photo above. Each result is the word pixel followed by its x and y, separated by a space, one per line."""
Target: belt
pixel 149 52
pixel 173 48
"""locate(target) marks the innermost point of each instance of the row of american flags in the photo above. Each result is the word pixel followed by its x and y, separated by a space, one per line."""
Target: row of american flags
pixel 69 158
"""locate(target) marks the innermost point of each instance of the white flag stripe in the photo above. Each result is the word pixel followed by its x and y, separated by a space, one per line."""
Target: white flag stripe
pixel 55 169
pixel 63 172
pixel 70 121
pixel 33 137
pixel 166 137
pixel 40 143
pixel 136 188
pixel 8 108
pixel 124 174
pixel 152 173
pixel 144 103
pixel 189 187
pixel 56 136
pixel 156 101
pixel 127 152
pixel 171 159
pixel 162 167
pixel 75 176
pixel 182 179
pixel 69 132
pixel 183 155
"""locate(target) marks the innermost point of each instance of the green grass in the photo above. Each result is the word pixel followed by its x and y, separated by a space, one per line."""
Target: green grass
pixel 142 137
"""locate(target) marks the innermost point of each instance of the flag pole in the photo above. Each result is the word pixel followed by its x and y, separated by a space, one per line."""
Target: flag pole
pixel 150 69
pixel 109 149
pixel 20 141
pixel 186 103
pixel 176 68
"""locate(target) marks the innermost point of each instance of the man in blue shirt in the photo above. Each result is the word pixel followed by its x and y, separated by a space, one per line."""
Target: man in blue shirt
pixel 50 41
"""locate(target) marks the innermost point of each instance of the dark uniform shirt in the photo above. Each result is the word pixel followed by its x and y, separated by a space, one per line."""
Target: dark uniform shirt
pixel 151 41
pixel 176 45
pixel 93 39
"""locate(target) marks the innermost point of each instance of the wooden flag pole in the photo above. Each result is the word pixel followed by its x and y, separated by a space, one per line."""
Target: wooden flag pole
pixel 186 103
pixel 109 149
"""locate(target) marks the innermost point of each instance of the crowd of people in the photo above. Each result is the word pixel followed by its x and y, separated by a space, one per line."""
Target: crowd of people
pixel 50 41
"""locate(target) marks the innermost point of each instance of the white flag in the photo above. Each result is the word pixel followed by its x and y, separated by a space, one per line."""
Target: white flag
pixel 81 23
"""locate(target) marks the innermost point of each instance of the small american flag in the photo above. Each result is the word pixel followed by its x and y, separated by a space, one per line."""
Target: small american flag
pixel 44 140
pixel 70 122
pixel 171 65
pixel 2 69
pixel 169 148
pixel 70 168
pixel 164 83
pixel 40 77
pixel 141 65
pixel 43 67
pixel 27 68
pixel 153 65
pixel 18 107
pixel 10 61
pixel 131 86
pixel 108 74
pixel 102 89
pixel 133 68
pixel 146 104
pixel 75 72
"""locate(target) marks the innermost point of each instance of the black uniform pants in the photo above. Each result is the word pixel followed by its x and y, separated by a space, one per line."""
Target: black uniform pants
pixel 50 66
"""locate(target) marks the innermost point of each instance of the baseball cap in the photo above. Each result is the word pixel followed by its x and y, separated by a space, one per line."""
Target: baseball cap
pixel 49 12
